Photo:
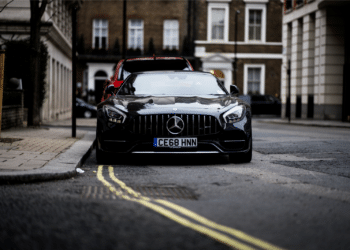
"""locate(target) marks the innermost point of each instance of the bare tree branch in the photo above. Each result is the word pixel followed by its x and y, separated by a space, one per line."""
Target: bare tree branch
pixel 6 5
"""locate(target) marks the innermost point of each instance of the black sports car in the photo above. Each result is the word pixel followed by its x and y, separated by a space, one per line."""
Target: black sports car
pixel 177 112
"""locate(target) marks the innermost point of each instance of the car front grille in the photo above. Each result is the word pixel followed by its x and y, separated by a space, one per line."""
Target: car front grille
pixel 194 125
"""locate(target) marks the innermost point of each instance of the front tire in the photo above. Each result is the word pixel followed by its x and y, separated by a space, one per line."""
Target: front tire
pixel 101 157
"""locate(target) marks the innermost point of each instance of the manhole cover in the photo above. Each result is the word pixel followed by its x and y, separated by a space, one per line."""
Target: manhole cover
pixel 94 192
pixel 10 140
pixel 165 192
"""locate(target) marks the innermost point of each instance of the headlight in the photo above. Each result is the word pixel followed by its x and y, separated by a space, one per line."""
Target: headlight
pixel 235 114
pixel 114 115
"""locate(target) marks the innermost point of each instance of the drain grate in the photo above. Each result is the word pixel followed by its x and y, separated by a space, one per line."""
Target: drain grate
pixel 165 192
pixel 94 192
pixel 159 192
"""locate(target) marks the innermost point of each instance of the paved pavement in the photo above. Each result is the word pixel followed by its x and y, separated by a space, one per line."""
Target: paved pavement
pixel 303 122
pixel 48 153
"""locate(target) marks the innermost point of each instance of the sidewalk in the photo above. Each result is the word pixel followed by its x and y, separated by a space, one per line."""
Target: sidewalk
pixel 46 153
pixel 304 122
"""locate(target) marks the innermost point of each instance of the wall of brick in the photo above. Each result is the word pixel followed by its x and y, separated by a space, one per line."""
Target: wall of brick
pixel 152 12
pixel 274 21
pixel 272 74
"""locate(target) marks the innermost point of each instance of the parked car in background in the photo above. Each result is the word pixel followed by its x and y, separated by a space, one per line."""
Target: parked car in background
pixel 263 104
pixel 126 67
pixel 174 112
pixel 84 109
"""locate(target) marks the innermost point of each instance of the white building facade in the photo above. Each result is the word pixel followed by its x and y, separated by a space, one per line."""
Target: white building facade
pixel 316 43
pixel 56 33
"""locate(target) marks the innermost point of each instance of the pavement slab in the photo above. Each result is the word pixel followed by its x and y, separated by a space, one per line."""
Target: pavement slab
pixel 42 153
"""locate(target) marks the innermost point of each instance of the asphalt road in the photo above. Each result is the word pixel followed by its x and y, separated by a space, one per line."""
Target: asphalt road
pixel 293 195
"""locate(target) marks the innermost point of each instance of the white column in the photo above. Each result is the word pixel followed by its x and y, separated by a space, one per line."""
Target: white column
pixel 296 60
pixel 287 49
pixel 308 62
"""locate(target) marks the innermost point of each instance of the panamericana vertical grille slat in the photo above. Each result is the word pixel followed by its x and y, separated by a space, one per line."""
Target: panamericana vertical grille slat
pixel 155 125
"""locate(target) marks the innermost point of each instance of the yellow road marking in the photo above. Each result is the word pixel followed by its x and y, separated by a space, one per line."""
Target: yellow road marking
pixel 212 224
pixel 239 234
pixel 199 228
pixel 202 229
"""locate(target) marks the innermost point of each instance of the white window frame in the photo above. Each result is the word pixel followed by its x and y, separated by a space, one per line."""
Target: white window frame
pixel 261 7
pixel 129 33
pixel 224 6
pixel 174 34
pixel 262 77
pixel 100 37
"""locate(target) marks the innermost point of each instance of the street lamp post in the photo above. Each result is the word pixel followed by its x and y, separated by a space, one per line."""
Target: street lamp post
pixel 235 62
pixel 124 29
pixel 74 68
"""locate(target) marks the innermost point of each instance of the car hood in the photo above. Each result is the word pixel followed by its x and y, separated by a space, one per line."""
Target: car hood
pixel 166 104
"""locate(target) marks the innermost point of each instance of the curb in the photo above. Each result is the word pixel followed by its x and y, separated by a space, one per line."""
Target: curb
pixel 62 167
pixel 307 125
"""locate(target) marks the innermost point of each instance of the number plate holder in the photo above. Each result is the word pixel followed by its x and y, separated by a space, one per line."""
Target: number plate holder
pixel 184 142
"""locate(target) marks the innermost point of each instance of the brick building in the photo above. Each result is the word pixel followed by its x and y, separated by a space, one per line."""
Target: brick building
pixel 258 42
pixel 153 27
pixel 316 42
pixel 203 31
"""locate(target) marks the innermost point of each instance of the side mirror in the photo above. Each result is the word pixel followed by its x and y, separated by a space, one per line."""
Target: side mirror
pixel 110 89
pixel 234 90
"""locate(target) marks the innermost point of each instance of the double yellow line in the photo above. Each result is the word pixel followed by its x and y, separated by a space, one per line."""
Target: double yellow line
pixel 207 227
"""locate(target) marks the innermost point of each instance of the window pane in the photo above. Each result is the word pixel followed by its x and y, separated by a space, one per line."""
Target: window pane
pixel 171 34
pixel 254 80
pixel 217 23
pixel 104 32
pixel 258 16
pixel 136 22
pixel 251 16
pixel 218 16
pixel 97 44
pixel 258 33
pixel 255 25
pixel 104 45
pixel 104 23
pixel 251 33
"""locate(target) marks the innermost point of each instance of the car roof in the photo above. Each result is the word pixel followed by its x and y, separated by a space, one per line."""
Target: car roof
pixel 153 58
pixel 156 63
pixel 172 72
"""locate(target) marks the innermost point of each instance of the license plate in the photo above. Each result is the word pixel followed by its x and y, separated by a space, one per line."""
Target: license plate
pixel 175 142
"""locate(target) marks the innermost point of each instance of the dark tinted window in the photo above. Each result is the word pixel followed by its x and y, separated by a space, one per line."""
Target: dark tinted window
pixel 151 65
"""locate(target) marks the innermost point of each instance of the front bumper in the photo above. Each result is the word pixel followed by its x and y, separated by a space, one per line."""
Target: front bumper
pixel 121 139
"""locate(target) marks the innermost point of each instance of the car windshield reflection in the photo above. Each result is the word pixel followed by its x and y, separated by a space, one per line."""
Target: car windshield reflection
pixel 163 84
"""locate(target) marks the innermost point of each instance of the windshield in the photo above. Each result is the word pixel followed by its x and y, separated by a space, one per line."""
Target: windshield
pixel 151 65
pixel 175 83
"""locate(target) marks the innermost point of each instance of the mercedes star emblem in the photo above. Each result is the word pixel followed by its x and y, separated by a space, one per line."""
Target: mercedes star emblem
pixel 175 125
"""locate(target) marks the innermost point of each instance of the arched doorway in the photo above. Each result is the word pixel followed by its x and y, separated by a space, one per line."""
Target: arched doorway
pixel 100 77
